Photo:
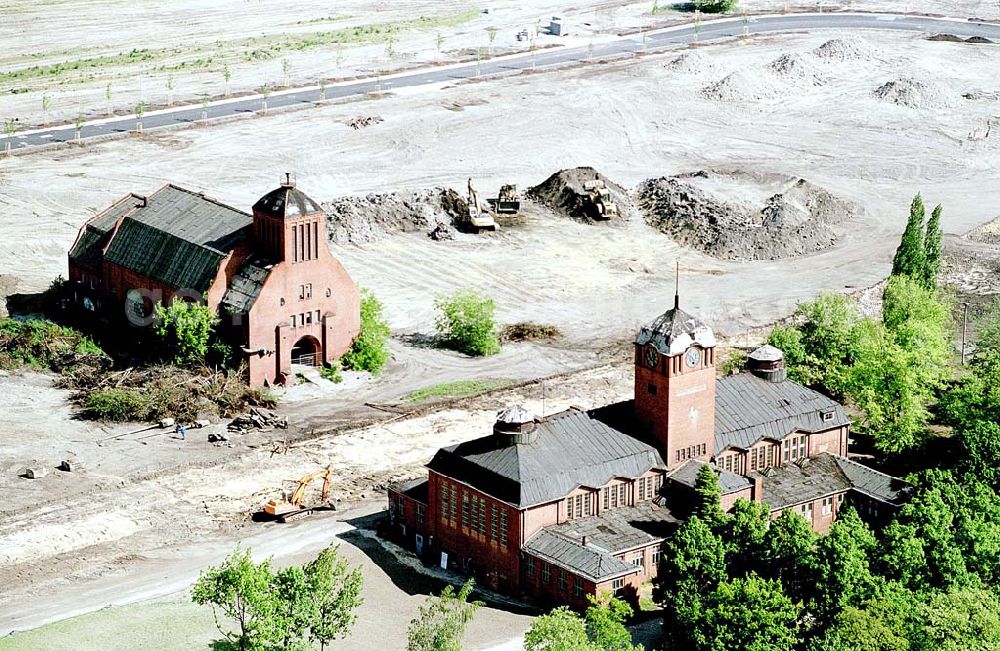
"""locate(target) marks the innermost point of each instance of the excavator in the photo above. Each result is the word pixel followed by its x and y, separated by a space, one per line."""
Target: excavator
pixel 289 507
pixel 479 219
pixel 507 203
pixel 600 204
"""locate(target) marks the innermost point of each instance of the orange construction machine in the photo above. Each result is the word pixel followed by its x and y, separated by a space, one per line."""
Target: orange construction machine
pixel 289 506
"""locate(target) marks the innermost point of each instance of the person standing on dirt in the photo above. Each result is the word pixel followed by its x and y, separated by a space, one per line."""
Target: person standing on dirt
pixel 181 431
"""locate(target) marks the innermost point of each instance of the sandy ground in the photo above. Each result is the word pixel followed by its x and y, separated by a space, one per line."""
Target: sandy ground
pixel 630 120
pixel 144 47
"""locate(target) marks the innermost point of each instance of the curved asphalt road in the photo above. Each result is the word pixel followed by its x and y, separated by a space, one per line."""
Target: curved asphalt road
pixel 622 46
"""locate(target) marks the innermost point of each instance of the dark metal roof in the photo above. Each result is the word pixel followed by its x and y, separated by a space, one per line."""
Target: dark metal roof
pixel 175 236
pixel 95 235
pixel 749 408
pixel 572 449
pixel 415 489
pixel 580 560
pixel 619 530
pixel 873 483
pixel 286 201
pixel 674 331
pixel 826 474
pixel 729 482
pixel 245 286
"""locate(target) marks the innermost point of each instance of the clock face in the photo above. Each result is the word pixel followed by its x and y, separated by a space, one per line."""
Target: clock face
pixel 692 357
pixel 652 357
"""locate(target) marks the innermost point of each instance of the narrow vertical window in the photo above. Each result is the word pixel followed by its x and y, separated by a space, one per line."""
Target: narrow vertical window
pixel 295 244
pixel 315 240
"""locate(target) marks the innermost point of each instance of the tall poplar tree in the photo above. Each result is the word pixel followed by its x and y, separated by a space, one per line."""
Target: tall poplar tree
pixel 932 249
pixel 910 258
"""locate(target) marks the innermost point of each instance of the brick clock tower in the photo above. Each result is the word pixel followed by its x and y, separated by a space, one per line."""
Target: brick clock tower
pixel 675 385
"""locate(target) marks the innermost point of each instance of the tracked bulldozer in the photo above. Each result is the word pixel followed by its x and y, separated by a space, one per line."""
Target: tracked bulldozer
pixel 600 205
pixel 508 202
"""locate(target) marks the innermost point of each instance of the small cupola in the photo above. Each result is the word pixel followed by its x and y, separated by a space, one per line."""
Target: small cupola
pixel 768 363
pixel 515 425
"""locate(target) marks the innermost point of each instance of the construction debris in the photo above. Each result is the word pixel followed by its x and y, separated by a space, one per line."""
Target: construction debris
pixel 364 121
pixel 507 202
pixel 359 220
pixel 70 465
pixel 166 422
pixel 442 232
pixel 217 437
pixel 34 473
pixel 259 419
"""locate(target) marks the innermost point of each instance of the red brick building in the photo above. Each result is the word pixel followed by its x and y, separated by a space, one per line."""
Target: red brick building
pixel 281 295
pixel 576 503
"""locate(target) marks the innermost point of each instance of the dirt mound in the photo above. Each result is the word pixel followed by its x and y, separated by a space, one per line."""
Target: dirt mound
pixel 795 68
pixel 744 86
pixel 800 220
pixel 846 49
pixel 691 63
pixel 564 193
pixel 988 233
pixel 951 38
pixel 913 93
pixel 356 220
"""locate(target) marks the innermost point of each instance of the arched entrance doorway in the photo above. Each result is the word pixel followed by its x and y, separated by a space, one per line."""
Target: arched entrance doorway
pixel 307 351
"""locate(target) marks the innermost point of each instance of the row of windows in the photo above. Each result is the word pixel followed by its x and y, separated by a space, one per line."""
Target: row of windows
pixel 475 514
pixel 566 582
pixel 806 510
pixel 305 318
pixel 577 507
pixel 794 448
pixel 305 242
pixel 691 452
pixel 762 457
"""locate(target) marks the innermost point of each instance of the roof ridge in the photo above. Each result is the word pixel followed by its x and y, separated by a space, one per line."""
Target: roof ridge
pixel 202 195
pixel 837 459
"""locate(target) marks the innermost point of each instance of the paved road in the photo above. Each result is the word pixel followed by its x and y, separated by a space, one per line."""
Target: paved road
pixel 621 46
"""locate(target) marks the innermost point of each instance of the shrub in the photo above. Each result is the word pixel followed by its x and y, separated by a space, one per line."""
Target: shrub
pixel 332 373
pixel 466 320
pixel 185 330
pixel 117 405
pixel 370 351
pixel 716 6
pixel 46 345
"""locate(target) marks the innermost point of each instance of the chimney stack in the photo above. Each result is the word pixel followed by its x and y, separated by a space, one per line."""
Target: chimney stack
pixel 768 363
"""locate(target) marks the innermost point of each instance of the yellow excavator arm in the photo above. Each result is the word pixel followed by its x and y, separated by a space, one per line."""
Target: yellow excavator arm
pixel 300 490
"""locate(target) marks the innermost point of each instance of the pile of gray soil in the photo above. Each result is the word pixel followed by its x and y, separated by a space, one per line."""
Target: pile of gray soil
pixel 912 93
pixel 564 194
pixel 691 63
pixel 796 68
pixel 802 219
pixel 988 233
pixel 845 49
pixel 744 86
pixel 356 220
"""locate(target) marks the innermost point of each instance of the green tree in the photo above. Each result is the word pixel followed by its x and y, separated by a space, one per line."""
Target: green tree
pixel 910 259
pixel 295 609
pixel 559 630
pixel 336 592
pixel 745 534
pixel 240 590
pixel 932 249
pixel 843 571
pixel 882 623
pixel 693 564
pixel 466 321
pixel 185 329
pixel 788 339
pixel 716 6
pixel 747 613
pixel 816 350
pixel 790 555
pixel 708 496
pixel 960 620
pixel 370 350
pixel 988 334
pixel 441 623
pixel 605 620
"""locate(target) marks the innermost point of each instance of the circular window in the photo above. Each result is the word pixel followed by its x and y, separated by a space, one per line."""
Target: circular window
pixel 329 292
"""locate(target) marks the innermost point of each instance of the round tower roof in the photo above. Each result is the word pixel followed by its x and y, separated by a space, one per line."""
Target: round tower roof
pixel 286 201
pixel 767 353
pixel 515 415
pixel 675 331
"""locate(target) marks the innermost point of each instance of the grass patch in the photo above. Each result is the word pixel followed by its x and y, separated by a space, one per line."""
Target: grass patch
pixel 527 331
pixel 460 389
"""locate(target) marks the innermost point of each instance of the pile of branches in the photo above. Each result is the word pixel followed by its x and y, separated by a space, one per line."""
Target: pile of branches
pixel 45 345
pixel 155 392
pixel 527 331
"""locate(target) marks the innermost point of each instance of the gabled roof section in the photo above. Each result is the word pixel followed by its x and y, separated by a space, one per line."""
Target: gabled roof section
pixel 873 483
pixel 178 237
pixel 586 546
pixel 245 285
pixel 675 331
pixel 749 408
pixel 94 236
pixel 729 482
pixel 572 449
